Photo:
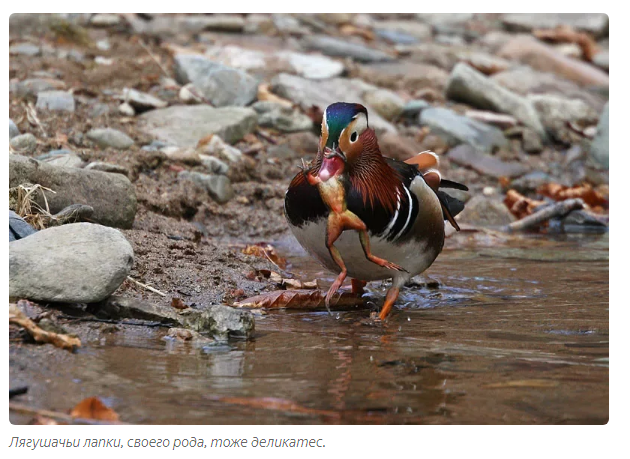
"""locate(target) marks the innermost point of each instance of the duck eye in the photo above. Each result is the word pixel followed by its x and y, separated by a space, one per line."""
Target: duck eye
pixel 353 137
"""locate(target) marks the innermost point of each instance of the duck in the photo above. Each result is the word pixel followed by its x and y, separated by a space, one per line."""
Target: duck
pixel 365 216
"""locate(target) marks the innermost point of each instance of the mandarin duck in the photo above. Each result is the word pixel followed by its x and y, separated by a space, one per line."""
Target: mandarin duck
pixel 366 216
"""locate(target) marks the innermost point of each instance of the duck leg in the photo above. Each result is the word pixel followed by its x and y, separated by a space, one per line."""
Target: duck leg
pixel 390 299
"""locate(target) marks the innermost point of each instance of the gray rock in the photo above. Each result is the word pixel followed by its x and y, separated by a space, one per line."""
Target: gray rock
pixel 288 24
pixel 25 49
pixel 13 129
pixel 141 100
pixel 218 187
pixel 111 195
pixel 471 86
pixel 214 165
pixel 105 20
pixel 531 141
pixel 184 126
pixel 281 117
pixel 414 107
pixel 220 85
pixel 52 154
pixel 444 19
pixel 343 48
pixel 601 59
pixel 596 23
pixel 55 100
pixel 600 144
pixel 417 30
pixel 67 160
pixel 311 66
pixel 557 112
pixel 387 103
pixel 110 138
pixel 466 155
pixel 220 321
pixel 457 129
pixel 307 93
pixel 107 167
pixel 74 263
pixel 485 211
pixel 219 22
pixel 25 143
pixel 33 86
pixel 18 228
pixel 396 37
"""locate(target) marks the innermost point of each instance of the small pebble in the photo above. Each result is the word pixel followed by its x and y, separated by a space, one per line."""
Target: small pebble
pixel 25 143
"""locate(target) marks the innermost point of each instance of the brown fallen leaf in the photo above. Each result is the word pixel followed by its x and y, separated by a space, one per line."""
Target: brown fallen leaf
pixel 519 205
pixel 566 34
pixel 264 93
pixel 299 299
pixel 93 408
pixel 177 303
pixel 585 192
pixel 264 250
pixel 349 29
pixel 17 317
pixel 286 283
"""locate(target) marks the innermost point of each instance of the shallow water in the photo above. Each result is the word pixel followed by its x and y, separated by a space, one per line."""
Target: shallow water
pixel 515 334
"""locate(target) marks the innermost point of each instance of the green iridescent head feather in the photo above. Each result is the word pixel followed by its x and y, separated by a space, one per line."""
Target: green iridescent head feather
pixel 338 116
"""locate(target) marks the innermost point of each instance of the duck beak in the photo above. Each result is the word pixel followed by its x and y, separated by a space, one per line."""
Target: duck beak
pixel 334 163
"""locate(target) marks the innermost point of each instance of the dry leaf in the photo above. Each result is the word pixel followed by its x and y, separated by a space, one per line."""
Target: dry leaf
pixel 586 193
pixel 299 299
pixel 264 93
pixel 264 250
pixel 349 29
pixel 17 317
pixel 93 408
pixel 177 303
pixel 519 205
pixel 566 34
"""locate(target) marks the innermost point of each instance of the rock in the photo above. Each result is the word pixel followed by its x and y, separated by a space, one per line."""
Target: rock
pixel 25 143
pixel 466 155
pixel 25 49
pixel 395 37
pixel 495 119
pixel 74 263
pixel 278 116
pixel 487 64
pixel 545 58
pixel 600 144
pixel 220 85
pixel 404 75
pixel 105 20
pixel 525 80
pixel 107 167
pixel 601 59
pixel 470 86
pixel 386 103
pixel 69 159
pixel 110 138
pixel 258 23
pixel 217 147
pixel 530 182
pixel 218 187
pixel 557 112
pixel 414 29
pixel 458 129
pixel 187 156
pixel 101 60
pixel 398 147
pixel 485 211
pixel 311 66
pixel 214 165
pixel 414 107
pixel 186 125
pixel 111 195
pixel 444 19
pixel 286 24
pixel 531 141
pixel 309 93
pixel 119 307
pixel 343 48
pixel 596 24
pixel 126 109
pixel 220 321
pixel 18 228
pixel 33 86
pixel 218 22
pixel 141 101
pixel 55 100
pixel 13 129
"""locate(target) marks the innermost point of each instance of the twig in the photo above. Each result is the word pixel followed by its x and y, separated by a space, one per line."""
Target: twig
pixel 559 209
pixel 19 408
pixel 266 136
pixel 146 48
pixel 154 290
pixel 17 317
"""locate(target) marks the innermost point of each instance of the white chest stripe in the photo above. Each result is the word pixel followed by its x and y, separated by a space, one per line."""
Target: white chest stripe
pixel 393 221
pixel 402 231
